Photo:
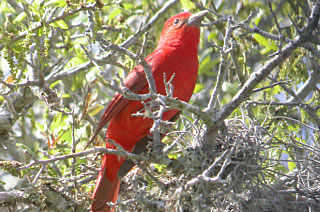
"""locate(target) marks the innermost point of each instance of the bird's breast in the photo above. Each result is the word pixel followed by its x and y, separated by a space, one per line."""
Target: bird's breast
pixel 184 66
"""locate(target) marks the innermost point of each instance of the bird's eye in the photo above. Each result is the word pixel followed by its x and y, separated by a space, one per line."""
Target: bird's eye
pixel 176 21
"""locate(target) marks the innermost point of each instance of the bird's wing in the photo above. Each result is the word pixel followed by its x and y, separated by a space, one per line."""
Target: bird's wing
pixel 135 81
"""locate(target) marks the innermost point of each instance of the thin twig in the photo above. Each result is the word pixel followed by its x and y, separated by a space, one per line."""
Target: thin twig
pixel 84 153
pixel 272 85
pixel 278 28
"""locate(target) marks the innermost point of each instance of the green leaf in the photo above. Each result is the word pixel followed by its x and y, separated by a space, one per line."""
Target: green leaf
pixel 257 18
pixel 57 3
pixel 269 44
pixel 261 40
pixel 81 40
pixel 291 165
pixel 91 75
pixel 20 17
pixel 60 24
pixel 212 36
pixel 260 117
pixel 114 13
pixel 128 6
pixel 18 47
pixel 75 61
pixel 96 109
pixel 198 88
pixel 230 88
pixel 65 95
pixel 58 122
pixel 39 126
pixel 66 135
pixel 173 156
pixel 187 5
pixel 54 84
pixel 159 167
pixel 5 8
pixel 206 66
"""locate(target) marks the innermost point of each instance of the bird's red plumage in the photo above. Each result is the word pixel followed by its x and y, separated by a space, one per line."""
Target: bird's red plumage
pixel 176 53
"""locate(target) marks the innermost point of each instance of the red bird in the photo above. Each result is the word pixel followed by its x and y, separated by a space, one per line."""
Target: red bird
pixel 176 53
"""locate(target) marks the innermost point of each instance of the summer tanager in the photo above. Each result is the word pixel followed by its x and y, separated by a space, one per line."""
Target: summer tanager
pixel 176 53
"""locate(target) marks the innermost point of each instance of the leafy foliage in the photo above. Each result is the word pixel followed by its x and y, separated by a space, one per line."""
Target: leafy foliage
pixel 55 81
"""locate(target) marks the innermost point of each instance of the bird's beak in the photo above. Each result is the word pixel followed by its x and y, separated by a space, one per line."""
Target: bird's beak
pixel 196 19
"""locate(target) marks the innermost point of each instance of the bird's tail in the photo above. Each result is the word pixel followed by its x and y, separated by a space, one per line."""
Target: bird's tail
pixel 105 191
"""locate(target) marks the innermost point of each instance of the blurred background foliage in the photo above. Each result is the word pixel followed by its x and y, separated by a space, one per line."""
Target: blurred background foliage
pixel 40 39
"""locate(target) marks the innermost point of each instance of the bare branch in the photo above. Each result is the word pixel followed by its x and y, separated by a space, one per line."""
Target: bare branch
pixel 257 77
pixel 84 153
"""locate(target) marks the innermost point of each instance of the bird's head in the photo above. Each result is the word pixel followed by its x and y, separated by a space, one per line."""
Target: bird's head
pixel 182 29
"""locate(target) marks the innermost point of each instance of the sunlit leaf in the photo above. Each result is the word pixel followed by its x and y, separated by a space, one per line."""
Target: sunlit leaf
pixel 17 47
pixel 187 5
pixel 291 165
pixel 257 18
pixel 267 43
pixel 96 109
pixel 20 17
pixel 198 87
pixel 173 155
pixel 159 167
pixel 114 13
pixel 54 84
pixel 65 95
pixel 58 3
pixel 58 121
pixel 66 135
pixel 60 24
